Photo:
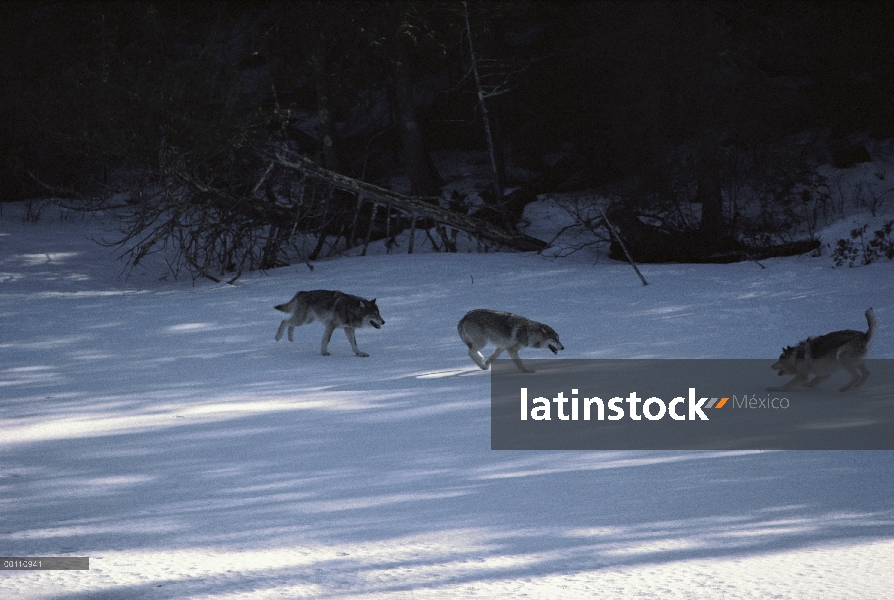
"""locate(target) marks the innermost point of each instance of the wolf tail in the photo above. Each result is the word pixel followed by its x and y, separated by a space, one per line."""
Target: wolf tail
pixel 282 307
pixel 870 319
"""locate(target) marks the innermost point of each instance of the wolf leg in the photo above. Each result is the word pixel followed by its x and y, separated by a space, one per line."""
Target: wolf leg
pixel 349 331
pixel 300 316
pixel 863 377
pixel 513 354
pixel 492 357
pixel 816 381
pixel 327 335
pixel 282 328
pixel 855 378
pixel 846 386
pixel 478 358
pixel 799 378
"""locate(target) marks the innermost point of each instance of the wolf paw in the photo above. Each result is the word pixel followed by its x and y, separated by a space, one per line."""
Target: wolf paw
pixel 325 353
pixel 362 354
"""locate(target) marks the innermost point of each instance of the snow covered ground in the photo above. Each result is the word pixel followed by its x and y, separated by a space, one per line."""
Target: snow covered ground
pixel 157 428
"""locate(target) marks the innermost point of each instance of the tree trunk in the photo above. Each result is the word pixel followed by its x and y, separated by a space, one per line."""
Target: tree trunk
pixel 331 159
pixel 708 193
pixel 424 178
pixel 490 134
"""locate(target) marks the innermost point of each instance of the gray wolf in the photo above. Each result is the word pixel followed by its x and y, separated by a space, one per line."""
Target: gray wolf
pixel 335 310
pixel 505 331
pixel 824 355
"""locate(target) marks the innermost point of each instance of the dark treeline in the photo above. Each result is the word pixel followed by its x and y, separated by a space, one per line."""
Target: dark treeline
pixel 656 105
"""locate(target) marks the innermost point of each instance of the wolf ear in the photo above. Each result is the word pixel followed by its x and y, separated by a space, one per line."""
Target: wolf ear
pixel 373 301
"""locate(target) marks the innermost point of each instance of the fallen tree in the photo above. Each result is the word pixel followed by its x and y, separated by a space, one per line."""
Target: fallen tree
pixel 223 222
pixel 415 206
pixel 649 243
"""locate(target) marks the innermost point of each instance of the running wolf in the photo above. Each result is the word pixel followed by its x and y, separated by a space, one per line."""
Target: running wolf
pixel 335 309
pixel 823 355
pixel 507 332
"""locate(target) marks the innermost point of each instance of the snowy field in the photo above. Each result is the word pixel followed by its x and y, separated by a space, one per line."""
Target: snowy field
pixel 156 427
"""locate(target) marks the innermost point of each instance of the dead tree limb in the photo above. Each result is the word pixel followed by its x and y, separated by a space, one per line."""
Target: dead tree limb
pixel 617 235
pixel 422 207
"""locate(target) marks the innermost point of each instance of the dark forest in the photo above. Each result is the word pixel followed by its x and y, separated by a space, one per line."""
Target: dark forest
pixel 227 129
